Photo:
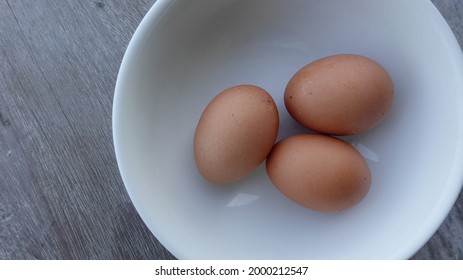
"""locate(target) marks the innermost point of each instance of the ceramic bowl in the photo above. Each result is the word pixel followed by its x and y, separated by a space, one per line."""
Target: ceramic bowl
pixel 185 52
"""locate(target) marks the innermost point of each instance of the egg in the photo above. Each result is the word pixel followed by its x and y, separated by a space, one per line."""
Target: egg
pixel 319 172
pixel 235 133
pixel 340 95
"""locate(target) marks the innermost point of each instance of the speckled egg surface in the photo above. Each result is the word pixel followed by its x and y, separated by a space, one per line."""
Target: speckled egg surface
pixel 319 172
pixel 235 133
pixel 341 94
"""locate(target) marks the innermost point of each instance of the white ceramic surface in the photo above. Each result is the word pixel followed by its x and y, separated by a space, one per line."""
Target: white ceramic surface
pixel 185 52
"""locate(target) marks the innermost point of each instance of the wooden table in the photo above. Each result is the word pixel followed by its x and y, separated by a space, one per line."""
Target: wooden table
pixel 61 195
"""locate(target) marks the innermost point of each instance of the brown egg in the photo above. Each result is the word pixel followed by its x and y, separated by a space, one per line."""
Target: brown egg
pixel 340 95
pixel 319 172
pixel 235 133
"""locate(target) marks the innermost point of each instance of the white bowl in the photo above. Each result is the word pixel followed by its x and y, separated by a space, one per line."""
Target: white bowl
pixel 185 52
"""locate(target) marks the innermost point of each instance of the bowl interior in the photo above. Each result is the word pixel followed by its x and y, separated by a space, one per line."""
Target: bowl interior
pixel 185 52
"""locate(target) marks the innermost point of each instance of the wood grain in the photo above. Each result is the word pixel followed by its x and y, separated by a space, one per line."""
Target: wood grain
pixel 61 193
pixel 61 196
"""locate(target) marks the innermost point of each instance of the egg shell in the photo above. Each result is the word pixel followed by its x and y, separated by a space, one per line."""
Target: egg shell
pixel 235 133
pixel 319 172
pixel 340 95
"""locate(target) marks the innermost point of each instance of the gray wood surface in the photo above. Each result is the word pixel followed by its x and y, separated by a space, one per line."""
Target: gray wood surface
pixel 61 196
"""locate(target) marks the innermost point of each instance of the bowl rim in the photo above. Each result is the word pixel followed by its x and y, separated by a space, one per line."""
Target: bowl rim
pixel 429 226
